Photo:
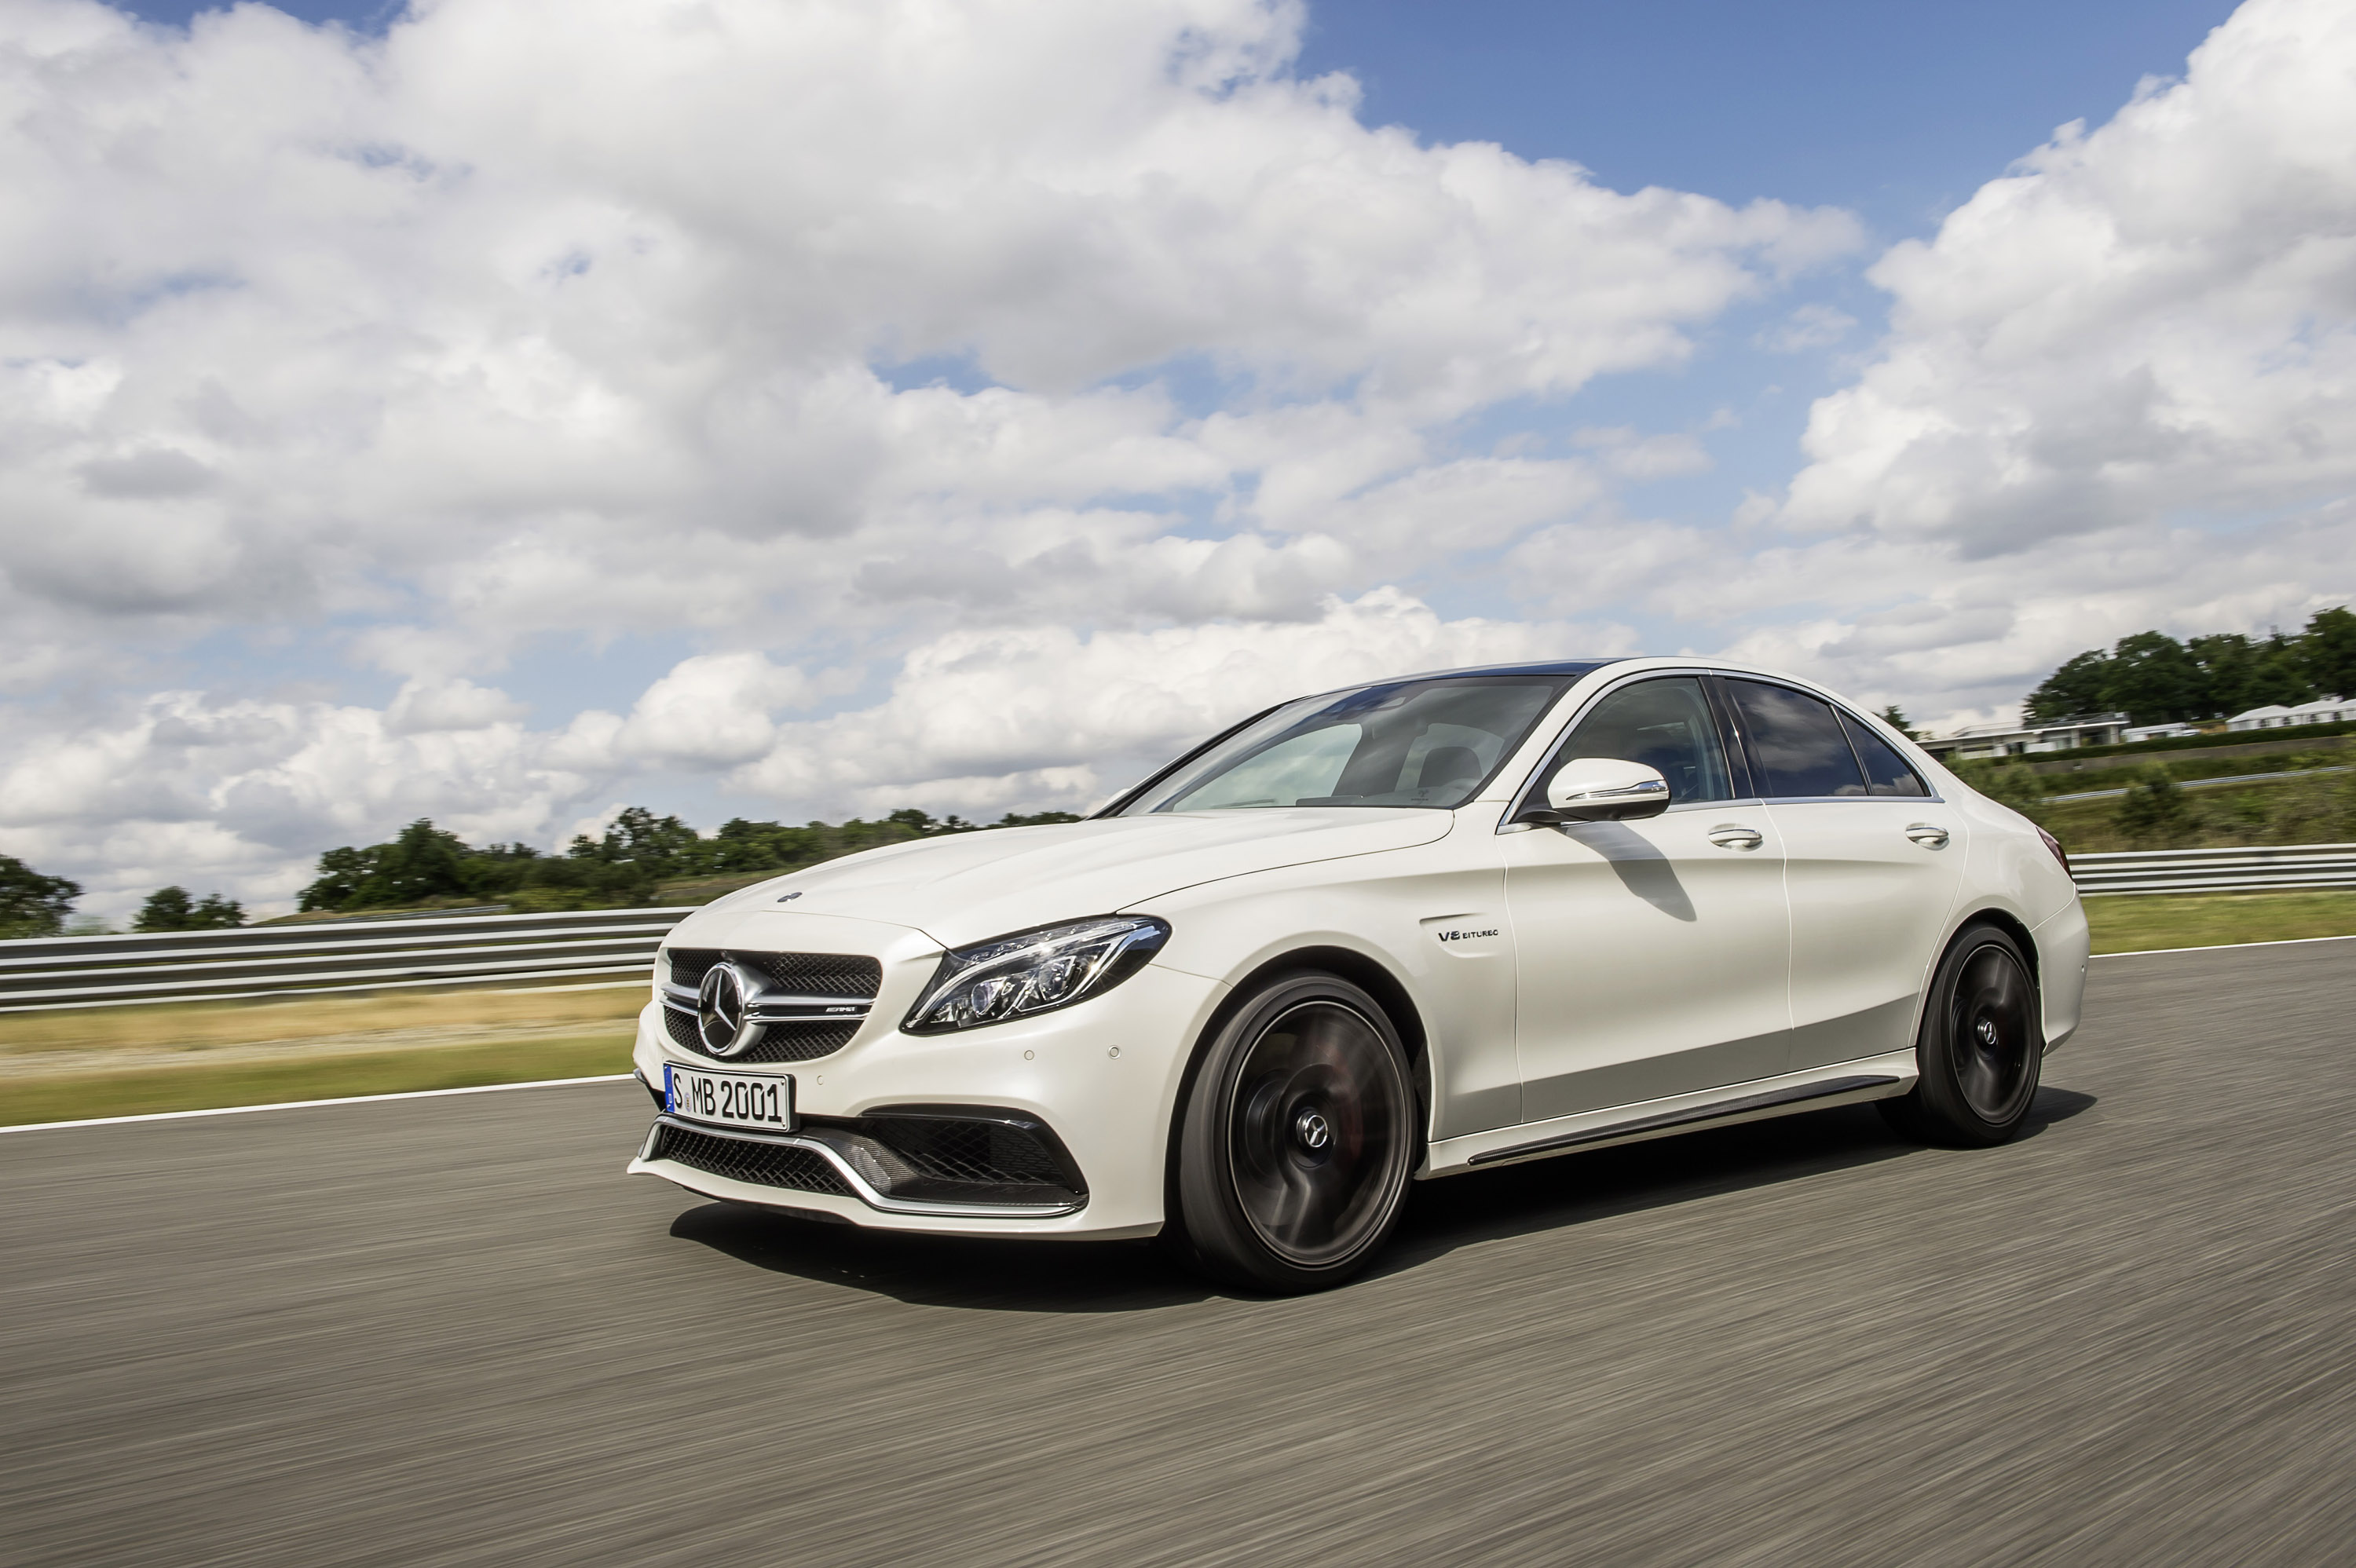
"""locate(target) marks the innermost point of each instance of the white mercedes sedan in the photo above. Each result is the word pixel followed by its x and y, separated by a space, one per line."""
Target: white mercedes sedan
pixel 1396 933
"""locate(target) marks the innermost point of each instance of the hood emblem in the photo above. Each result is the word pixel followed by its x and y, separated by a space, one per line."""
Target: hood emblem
pixel 720 1011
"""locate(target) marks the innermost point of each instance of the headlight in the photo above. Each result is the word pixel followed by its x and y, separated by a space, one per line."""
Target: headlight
pixel 1015 977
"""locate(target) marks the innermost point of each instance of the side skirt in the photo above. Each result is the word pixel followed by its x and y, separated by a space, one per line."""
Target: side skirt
pixel 1872 1079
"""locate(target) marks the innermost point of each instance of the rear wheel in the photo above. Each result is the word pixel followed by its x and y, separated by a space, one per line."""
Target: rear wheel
pixel 1981 1046
pixel 1297 1142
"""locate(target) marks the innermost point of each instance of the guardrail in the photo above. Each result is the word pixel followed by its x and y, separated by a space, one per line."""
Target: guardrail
pixel 44 972
pixel 52 972
pixel 2216 870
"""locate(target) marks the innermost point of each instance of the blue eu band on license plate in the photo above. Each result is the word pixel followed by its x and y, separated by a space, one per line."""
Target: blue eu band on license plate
pixel 760 1100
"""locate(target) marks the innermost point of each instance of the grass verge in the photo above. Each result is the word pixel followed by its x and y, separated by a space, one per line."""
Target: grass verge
pixel 2145 921
pixel 205 1086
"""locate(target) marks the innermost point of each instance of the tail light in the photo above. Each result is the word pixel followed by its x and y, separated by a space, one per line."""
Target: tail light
pixel 2055 844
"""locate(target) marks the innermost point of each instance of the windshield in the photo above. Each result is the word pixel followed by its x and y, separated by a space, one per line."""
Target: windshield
pixel 1420 742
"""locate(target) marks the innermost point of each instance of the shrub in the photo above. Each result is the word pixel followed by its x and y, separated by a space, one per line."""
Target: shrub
pixel 2154 805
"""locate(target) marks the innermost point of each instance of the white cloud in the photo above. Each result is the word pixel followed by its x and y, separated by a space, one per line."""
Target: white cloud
pixel 2154 319
pixel 824 336
pixel 1046 715
pixel 1077 364
pixel 2119 391
pixel 558 314
pixel 239 797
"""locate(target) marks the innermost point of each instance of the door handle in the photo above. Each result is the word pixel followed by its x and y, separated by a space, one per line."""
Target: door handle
pixel 1928 834
pixel 1734 836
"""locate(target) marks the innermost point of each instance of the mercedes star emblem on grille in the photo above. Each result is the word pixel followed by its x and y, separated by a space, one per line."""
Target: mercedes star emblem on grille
pixel 720 1011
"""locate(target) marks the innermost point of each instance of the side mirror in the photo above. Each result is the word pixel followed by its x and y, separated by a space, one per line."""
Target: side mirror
pixel 1603 789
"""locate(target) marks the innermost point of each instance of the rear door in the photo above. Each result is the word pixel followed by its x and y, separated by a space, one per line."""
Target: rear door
pixel 1651 957
pixel 1872 865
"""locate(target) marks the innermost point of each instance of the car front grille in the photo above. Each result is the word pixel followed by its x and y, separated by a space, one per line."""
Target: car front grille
pixel 849 975
pixel 744 1160
pixel 779 1042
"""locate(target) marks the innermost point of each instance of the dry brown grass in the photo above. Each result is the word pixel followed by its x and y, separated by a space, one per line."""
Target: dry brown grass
pixel 111 1039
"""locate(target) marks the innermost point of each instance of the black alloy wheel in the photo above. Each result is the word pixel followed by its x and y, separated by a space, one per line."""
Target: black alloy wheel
pixel 1296 1144
pixel 1981 1048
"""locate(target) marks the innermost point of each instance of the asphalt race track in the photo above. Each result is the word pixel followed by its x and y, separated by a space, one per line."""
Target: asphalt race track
pixel 450 1331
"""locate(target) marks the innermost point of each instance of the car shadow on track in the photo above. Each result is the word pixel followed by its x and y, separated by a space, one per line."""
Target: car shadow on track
pixel 1551 1194
pixel 1442 1216
pixel 948 1271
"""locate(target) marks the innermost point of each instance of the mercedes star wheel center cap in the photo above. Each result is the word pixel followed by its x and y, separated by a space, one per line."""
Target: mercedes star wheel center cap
pixel 1987 1032
pixel 720 1010
pixel 1312 1130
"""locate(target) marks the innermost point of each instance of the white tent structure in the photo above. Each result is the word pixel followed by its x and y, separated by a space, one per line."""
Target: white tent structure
pixel 2273 716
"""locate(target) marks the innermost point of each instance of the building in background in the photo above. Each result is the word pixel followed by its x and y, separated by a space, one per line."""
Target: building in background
pixel 2273 716
pixel 1975 742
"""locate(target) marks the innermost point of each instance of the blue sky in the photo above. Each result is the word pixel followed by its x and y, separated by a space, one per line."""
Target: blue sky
pixel 576 415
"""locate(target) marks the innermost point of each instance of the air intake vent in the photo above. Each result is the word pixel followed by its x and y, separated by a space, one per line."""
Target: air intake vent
pixel 742 1159
pixel 991 1152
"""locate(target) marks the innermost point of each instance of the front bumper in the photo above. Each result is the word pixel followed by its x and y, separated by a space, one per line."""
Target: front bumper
pixel 1102 1076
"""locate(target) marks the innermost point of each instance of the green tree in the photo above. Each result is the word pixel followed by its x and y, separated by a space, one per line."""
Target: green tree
pixel 2074 691
pixel 2326 652
pixel 1896 719
pixel 2241 673
pixel 171 909
pixel 2153 680
pixel 623 865
pixel 31 903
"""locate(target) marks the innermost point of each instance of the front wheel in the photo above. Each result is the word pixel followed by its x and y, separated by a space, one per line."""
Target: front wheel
pixel 1982 1046
pixel 1297 1142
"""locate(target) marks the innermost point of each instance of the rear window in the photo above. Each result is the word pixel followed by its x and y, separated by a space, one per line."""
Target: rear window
pixel 1797 746
pixel 1886 772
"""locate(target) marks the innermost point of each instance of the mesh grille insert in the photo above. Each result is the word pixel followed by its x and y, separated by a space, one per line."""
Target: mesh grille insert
pixel 798 1043
pixel 681 1027
pixel 742 1159
pixel 688 964
pixel 819 974
pixel 976 1151
pixel 802 974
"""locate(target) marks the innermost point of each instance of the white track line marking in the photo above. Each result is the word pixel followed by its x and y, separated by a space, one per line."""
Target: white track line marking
pixel 310 1104
pixel 2222 946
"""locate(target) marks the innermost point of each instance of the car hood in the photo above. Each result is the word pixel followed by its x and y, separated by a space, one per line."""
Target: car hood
pixel 962 887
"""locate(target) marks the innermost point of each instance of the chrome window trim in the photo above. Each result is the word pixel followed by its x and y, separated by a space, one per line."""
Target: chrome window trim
pixel 1852 800
pixel 1520 800
pixel 858 1185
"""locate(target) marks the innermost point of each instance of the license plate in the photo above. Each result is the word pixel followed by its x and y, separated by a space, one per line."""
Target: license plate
pixel 729 1099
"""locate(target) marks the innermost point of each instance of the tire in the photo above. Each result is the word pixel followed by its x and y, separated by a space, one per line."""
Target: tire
pixel 1295 1146
pixel 1981 1046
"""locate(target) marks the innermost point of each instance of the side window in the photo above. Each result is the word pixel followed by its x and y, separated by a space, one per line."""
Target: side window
pixel 1665 724
pixel 1797 747
pixel 1886 772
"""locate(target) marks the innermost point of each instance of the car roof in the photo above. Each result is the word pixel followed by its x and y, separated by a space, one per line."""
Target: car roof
pixel 1574 668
